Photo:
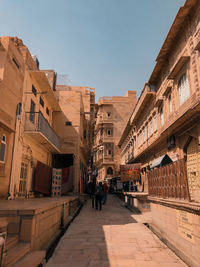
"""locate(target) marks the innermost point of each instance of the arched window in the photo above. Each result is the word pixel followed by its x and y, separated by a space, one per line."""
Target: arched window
pixel 109 171
pixel 161 116
pixel 3 148
pixel 183 88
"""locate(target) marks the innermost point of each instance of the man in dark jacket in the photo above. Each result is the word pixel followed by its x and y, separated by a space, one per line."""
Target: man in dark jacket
pixel 92 191
pixel 98 195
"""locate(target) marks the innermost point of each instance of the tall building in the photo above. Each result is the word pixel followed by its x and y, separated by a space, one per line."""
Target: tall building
pixel 75 127
pixel 43 126
pixel 35 139
pixel 11 88
pixel 163 134
pixel 112 115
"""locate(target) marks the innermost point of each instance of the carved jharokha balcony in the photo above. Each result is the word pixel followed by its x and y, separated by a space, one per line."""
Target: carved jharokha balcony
pixel 39 129
pixel 147 95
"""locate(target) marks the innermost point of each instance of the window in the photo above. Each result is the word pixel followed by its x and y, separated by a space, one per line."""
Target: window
pixel 47 111
pixel 3 148
pixel 108 114
pixel 151 126
pixel 155 122
pixel 183 89
pixel 15 62
pixel 143 133
pixel 109 171
pixel 41 102
pixel 161 116
pixel 23 178
pixel 140 139
pixel 32 112
pixel 147 131
pixel 84 134
pixel 109 132
pixel 34 91
pixel 170 103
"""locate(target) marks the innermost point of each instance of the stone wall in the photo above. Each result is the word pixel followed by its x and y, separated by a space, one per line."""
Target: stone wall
pixel 180 229
pixel 41 223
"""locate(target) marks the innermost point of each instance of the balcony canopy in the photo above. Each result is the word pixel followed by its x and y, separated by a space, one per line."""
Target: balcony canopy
pixel 161 161
pixel 147 95
pixel 38 128
pixel 42 81
pixel 178 66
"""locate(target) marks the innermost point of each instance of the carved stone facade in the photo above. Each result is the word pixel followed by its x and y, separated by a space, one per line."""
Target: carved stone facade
pixel 166 124
pixel 112 115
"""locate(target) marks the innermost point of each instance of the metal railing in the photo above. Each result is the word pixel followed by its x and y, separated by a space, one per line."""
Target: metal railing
pixel 35 122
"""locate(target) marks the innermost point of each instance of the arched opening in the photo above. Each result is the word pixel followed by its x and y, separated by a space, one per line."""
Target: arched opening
pixel 110 171
pixel 192 150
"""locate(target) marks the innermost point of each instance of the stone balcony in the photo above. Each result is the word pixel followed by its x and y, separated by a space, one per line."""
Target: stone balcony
pixel 39 129
pixel 146 96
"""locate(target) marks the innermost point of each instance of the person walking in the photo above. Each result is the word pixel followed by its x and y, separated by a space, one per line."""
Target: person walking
pixel 105 193
pixel 92 191
pixel 98 196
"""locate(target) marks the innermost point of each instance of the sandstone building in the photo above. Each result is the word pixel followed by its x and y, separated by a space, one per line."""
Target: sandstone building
pixel 43 126
pixel 112 115
pixel 75 127
pixel 41 131
pixel 11 88
pixel 163 134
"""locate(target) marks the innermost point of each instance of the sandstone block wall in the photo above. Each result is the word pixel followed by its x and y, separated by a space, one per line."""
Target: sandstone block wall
pixel 180 228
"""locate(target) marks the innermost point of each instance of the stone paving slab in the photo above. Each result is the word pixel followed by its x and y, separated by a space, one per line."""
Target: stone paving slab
pixel 111 238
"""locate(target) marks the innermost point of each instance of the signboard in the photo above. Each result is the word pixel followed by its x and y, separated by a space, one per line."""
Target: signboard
pixel 185 225
pixel 130 172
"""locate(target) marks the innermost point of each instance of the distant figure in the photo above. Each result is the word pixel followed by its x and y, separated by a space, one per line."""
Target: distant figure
pixel 135 189
pixel 98 195
pixel 105 192
pixel 92 191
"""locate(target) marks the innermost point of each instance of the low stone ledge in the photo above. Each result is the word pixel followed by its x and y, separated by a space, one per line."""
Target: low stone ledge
pixel 38 219
pixel 191 207
pixel 136 200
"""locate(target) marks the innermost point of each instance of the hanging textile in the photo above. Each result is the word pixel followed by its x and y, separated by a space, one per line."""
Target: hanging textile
pixel 56 182
pixel 67 180
pixel 42 183
pixel 130 172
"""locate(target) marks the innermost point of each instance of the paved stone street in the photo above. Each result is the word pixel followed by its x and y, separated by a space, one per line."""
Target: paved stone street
pixel 111 238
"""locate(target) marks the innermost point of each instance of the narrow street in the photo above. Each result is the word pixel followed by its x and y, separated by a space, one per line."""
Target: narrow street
pixel 113 237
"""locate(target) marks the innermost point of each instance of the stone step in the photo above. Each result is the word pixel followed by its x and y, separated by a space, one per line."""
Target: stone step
pixel 11 241
pixel 32 259
pixel 16 253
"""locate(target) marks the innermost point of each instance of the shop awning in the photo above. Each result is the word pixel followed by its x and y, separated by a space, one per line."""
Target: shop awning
pixel 161 161
pixel 130 172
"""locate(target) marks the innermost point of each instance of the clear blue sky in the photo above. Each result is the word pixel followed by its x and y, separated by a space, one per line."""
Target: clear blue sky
pixel 107 44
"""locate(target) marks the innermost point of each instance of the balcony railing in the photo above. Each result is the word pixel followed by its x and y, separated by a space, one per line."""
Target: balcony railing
pixel 36 123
